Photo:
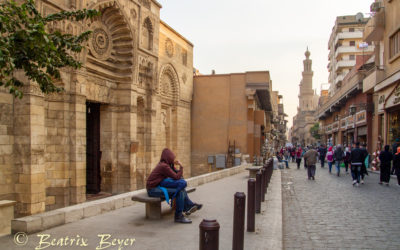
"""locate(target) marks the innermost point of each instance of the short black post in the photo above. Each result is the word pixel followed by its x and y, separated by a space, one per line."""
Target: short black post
pixel 238 221
pixel 209 235
pixel 262 184
pixel 265 179
pixel 251 204
pixel 258 192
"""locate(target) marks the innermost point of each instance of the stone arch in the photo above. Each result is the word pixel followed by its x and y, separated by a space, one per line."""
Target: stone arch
pixel 111 46
pixel 147 34
pixel 168 84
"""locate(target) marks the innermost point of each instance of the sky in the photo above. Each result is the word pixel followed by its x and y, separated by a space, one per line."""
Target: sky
pixel 232 36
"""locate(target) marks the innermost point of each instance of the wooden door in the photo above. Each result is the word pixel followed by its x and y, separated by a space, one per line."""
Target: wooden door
pixel 93 153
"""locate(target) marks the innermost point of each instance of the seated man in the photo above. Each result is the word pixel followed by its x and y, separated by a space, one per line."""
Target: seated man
pixel 281 159
pixel 166 181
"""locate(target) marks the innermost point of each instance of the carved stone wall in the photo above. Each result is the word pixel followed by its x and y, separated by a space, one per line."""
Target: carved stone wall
pixel 43 140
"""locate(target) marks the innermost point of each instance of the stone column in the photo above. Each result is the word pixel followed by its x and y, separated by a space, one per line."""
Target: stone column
pixel 78 149
pixel 108 144
pixel 29 131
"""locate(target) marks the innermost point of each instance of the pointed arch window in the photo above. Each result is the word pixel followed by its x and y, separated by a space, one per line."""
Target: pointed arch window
pixel 147 34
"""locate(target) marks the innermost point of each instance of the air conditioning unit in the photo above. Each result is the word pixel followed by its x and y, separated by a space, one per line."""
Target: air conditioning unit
pixel 375 7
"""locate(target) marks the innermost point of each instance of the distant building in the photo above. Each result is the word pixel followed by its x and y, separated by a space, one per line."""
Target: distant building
pixel 345 43
pixel 308 103
pixel 230 111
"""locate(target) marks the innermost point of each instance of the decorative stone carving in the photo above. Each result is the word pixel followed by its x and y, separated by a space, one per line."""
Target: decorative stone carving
pixel 184 57
pixel 111 44
pixel 145 3
pixel 133 13
pixel 100 44
pixel 169 83
pixel 145 72
pixel 184 77
pixel 169 47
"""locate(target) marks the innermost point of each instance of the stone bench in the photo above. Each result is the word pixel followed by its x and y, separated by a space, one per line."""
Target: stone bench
pixel 153 204
pixel 253 171
pixel 6 215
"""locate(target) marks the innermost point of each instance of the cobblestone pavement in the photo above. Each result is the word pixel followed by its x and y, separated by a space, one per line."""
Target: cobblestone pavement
pixel 329 213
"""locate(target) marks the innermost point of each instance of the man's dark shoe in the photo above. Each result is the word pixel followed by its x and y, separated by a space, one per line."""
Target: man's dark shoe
pixel 194 208
pixel 182 219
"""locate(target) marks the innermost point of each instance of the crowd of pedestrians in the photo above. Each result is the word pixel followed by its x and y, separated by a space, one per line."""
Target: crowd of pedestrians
pixel 354 157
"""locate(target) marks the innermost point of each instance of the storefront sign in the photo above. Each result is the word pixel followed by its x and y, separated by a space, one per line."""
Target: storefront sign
pixel 335 126
pixel 361 117
pixel 350 121
pixel 343 123
pixel 394 98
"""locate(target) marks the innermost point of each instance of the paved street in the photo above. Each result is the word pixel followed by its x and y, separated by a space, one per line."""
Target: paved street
pixel 129 223
pixel 329 213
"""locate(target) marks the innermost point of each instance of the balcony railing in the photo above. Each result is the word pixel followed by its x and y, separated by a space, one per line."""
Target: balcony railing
pixel 348 35
pixel 345 64
pixel 352 84
pixel 352 49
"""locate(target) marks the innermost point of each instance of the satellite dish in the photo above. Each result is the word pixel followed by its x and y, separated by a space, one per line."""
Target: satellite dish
pixel 359 17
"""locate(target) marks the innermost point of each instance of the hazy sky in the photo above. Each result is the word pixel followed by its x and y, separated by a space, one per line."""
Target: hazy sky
pixel 237 36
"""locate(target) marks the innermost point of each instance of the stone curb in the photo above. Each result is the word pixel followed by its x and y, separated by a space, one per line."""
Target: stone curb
pixel 57 217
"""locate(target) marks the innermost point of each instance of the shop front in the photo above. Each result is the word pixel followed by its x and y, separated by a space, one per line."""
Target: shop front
pixel 389 113
pixel 361 127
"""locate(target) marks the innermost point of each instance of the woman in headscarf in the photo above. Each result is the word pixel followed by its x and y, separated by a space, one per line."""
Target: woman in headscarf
pixel 385 157
pixel 329 158
pixel 396 165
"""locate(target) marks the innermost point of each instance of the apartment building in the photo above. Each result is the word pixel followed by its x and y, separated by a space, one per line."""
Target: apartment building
pixel 345 43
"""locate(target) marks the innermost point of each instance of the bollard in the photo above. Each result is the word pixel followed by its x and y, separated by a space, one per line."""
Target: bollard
pixel 251 204
pixel 258 192
pixel 265 180
pixel 262 184
pixel 238 221
pixel 209 235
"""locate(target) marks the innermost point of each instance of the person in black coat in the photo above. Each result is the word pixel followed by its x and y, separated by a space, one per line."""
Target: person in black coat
pixel 364 167
pixel 385 157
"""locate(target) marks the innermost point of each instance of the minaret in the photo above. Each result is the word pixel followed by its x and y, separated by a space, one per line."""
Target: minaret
pixel 306 92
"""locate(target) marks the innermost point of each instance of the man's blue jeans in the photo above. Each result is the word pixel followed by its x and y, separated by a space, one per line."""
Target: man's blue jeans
pixel 330 166
pixel 337 163
pixel 183 203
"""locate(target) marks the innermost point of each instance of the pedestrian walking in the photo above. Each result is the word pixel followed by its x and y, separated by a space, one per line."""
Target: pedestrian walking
pixel 356 158
pixel 396 165
pixel 365 164
pixel 329 158
pixel 299 152
pixel 310 158
pixel 385 157
pixel 346 159
pixel 338 156
pixel 322 154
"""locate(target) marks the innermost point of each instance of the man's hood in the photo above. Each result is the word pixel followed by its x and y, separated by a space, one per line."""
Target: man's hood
pixel 167 156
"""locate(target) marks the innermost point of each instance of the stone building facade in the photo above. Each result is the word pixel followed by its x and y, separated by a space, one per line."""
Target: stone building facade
pixel 308 103
pixel 106 131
